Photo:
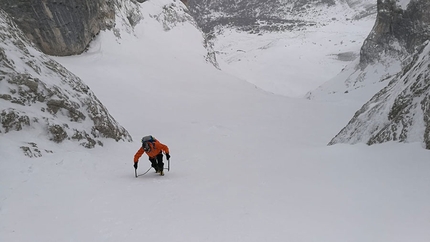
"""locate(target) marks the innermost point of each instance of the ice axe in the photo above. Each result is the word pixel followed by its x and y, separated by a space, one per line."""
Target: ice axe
pixel 136 175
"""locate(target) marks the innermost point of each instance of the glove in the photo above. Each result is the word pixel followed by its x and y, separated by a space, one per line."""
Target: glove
pixel 135 165
pixel 167 156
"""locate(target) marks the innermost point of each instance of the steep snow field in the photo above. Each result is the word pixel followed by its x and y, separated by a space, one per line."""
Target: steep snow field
pixel 247 165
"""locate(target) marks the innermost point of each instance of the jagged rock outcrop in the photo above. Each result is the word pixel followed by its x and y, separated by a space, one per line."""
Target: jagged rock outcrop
pixel 40 97
pixel 400 111
pixel 174 14
pixel 61 27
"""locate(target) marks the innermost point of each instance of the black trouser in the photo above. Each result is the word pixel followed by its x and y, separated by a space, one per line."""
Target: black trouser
pixel 157 162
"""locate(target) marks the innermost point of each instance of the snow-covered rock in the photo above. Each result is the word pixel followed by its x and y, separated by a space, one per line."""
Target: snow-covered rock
pixel 40 97
pixel 399 112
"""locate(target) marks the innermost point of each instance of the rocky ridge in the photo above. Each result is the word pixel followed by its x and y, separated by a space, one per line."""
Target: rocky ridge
pixel 39 96
pixel 272 15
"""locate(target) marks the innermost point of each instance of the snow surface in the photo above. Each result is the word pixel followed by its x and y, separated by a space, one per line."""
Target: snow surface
pixel 295 62
pixel 246 165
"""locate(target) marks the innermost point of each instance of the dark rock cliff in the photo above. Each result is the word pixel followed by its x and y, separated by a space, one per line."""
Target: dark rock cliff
pixel 397 32
pixel 61 27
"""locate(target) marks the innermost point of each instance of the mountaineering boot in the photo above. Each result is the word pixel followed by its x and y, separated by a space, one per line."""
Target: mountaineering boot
pixel 161 168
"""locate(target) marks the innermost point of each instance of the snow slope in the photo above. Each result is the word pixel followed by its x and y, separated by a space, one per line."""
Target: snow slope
pixel 246 165
pixel 291 63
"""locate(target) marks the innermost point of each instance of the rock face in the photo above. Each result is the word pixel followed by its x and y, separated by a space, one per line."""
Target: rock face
pixel 42 98
pixel 397 32
pixel 401 110
pixel 61 27
pixel 269 15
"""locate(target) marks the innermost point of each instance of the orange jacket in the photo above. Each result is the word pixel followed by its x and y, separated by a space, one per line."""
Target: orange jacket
pixel 156 148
